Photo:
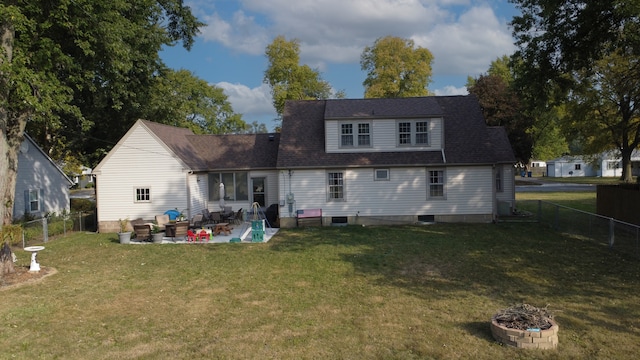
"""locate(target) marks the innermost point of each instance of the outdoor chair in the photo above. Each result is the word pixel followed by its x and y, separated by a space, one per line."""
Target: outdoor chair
pixel 215 217
pixel 235 218
pixel 143 232
pixel 162 220
pixel 197 220
pixel 181 229
pixel 191 236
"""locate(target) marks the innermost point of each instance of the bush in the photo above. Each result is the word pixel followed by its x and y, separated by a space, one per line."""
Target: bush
pixel 11 234
pixel 82 205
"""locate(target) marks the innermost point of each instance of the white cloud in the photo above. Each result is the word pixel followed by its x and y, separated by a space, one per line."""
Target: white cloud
pixel 468 45
pixel 252 103
pixel 241 33
pixel 336 31
pixel 451 90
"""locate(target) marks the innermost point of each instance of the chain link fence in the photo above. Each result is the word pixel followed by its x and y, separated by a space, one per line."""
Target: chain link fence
pixel 617 235
pixel 42 230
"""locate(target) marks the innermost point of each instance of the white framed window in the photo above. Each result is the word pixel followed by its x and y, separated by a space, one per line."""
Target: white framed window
pixel 356 134
pixel 498 180
pixel 33 200
pixel 381 174
pixel 578 167
pixel 612 165
pixel 413 133
pixel 142 194
pixel 335 186
pixel 436 183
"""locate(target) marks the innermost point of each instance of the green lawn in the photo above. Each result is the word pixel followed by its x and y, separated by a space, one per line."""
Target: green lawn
pixel 407 292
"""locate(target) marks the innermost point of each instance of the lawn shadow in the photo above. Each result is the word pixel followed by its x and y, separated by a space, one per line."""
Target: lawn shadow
pixel 479 329
pixel 508 263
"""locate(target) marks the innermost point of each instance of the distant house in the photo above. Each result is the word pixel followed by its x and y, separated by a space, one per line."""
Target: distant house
pixel 41 186
pixel 606 164
pixel 358 160
pixel 84 178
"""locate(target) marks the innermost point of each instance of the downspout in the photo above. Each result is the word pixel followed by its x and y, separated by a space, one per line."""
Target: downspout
pixel 189 173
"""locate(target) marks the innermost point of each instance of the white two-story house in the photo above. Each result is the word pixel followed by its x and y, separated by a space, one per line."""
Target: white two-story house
pixel 361 161
pixel 394 161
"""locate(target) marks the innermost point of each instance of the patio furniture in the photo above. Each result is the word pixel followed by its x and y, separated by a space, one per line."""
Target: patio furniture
pixel 162 221
pixel 197 221
pixel 222 228
pixel 203 234
pixel 142 231
pixel 177 230
pixel 191 236
pixel 235 218
pixel 215 217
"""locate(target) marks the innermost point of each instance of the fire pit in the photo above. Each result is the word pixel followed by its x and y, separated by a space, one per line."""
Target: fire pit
pixel 525 326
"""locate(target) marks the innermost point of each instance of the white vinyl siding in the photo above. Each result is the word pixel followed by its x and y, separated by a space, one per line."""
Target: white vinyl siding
pixel 139 159
pixel 382 136
pixel 469 190
pixel 37 173
pixel 508 183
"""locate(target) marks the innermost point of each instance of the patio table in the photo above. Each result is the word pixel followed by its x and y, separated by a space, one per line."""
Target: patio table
pixel 222 228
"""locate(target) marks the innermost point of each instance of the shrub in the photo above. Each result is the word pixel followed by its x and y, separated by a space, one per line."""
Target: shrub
pixel 11 234
pixel 83 205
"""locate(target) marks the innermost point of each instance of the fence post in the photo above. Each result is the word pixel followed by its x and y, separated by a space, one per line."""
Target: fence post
pixel 80 221
pixel 45 230
pixel 539 211
pixel 612 227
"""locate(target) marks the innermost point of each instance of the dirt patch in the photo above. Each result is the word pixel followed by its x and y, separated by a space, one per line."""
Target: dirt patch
pixel 22 276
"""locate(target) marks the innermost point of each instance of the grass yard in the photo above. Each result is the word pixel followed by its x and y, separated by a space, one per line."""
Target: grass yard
pixel 581 200
pixel 406 292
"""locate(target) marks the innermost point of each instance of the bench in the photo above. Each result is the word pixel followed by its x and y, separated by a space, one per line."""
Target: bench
pixel 308 216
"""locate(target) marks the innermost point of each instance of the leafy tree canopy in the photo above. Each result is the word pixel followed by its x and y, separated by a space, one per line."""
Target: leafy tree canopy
pixel 395 67
pixel 73 66
pixel 288 79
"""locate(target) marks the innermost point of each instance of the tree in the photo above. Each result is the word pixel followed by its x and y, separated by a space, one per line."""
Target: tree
pixel 604 109
pixel 500 67
pixel 181 99
pixel 396 68
pixel 62 61
pixel 557 37
pixel 501 107
pixel 288 79
pixel 575 51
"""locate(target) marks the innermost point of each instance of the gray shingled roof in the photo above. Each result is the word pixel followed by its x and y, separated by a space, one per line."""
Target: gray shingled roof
pixel 468 141
pixel 218 152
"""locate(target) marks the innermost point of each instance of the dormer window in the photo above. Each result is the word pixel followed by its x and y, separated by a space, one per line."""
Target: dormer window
pixel 413 133
pixel 355 134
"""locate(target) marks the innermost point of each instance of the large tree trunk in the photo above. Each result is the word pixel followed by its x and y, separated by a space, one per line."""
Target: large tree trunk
pixel 627 175
pixel 12 127
pixel 6 260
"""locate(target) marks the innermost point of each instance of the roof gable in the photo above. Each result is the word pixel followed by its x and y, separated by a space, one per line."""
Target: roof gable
pixel 467 139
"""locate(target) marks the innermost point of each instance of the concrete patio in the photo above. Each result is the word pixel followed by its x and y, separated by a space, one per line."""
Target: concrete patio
pixel 238 231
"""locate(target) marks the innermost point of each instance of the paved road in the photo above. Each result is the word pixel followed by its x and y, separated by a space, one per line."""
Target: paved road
pixel 541 185
pixel 83 194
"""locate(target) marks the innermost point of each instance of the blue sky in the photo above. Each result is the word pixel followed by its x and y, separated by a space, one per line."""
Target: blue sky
pixel 464 36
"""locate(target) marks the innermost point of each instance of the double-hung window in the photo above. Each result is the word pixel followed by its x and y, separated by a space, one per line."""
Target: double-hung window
pixel 33 200
pixel 498 180
pixel 436 183
pixel 355 134
pixel 413 133
pixel 335 186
